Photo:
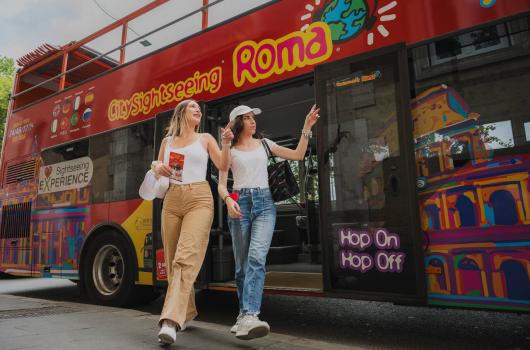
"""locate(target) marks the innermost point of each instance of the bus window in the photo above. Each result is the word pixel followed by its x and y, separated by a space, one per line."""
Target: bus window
pixel 65 152
pixel 120 159
pixel 460 153
pixel 100 154
pixel 472 90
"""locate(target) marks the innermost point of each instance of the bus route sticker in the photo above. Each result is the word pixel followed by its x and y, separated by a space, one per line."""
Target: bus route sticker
pixel 161 271
pixel 72 174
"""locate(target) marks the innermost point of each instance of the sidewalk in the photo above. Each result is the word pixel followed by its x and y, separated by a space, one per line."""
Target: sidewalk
pixel 28 323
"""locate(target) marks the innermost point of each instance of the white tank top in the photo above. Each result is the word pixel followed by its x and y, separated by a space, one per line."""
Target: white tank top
pixel 189 163
pixel 249 168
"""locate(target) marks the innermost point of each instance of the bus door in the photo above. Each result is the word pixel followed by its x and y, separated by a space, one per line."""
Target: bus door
pixel 159 271
pixel 369 216
pixel 294 257
pixel 218 263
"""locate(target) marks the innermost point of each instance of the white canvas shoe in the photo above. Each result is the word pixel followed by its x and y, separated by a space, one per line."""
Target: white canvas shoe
pixel 252 327
pixel 236 325
pixel 167 334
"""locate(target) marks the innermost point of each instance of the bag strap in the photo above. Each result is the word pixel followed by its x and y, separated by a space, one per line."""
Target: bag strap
pixel 268 150
pixel 166 150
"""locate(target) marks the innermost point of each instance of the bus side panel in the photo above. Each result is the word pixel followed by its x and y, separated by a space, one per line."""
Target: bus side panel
pixel 135 217
pixel 60 223
pixel 15 250
pixel 475 217
pixel 16 215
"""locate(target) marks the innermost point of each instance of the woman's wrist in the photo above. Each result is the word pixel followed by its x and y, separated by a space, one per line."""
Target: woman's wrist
pixel 154 164
pixel 306 132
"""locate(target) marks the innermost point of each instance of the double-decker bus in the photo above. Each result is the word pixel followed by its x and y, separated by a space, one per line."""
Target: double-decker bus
pixel 414 190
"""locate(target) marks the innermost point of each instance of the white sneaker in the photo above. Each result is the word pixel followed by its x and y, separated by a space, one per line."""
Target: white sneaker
pixel 167 334
pixel 236 325
pixel 251 327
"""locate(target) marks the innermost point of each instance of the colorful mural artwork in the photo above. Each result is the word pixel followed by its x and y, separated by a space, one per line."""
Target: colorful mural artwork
pixel 60 221
pixel 474 207
pixel 15 257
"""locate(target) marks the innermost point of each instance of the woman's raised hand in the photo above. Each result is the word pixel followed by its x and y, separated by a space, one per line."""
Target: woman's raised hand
pixel 312 117
pixel 226 134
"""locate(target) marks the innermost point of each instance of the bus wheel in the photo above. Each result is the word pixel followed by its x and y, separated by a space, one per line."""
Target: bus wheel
pixel 109 270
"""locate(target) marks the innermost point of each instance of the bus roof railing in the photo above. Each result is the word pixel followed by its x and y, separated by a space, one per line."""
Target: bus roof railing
pixel 121 22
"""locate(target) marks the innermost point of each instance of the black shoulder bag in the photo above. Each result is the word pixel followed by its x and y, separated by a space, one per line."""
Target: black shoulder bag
pixel 282 182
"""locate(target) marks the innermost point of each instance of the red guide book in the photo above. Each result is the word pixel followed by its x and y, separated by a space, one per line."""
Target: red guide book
pixel 176 162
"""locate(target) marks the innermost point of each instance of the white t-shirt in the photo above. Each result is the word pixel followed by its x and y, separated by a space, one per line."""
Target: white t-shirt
pixel 249 168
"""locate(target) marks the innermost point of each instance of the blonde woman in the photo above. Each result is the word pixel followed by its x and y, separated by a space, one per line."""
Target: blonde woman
pixel 187 213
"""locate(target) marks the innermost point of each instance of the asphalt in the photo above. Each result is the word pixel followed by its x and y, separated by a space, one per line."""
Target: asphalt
pixel 29 323
pixel 52 314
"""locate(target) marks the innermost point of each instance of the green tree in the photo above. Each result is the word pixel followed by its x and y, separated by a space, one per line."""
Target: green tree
pixel 7 73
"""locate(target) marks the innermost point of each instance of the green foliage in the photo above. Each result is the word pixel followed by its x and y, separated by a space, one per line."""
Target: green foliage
pixel 7 67
pixel 7 73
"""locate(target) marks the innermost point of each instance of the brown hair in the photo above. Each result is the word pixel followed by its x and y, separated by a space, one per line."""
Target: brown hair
pixel 237 128
pixel 178 119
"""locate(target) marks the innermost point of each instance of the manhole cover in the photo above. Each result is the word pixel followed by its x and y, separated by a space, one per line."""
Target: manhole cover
pixel 36 312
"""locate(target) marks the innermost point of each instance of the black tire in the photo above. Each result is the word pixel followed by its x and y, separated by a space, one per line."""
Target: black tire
pixel 109 270
pixel 6 276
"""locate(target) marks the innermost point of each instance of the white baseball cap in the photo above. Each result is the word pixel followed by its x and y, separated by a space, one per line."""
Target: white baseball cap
pixel 240 110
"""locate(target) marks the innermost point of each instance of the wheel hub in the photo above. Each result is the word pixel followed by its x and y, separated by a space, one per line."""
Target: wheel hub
pixel 107 270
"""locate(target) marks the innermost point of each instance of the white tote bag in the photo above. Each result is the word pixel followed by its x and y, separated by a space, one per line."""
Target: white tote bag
pixel 152 187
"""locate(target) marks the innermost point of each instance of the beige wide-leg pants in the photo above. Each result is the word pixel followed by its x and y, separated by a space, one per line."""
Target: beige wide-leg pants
pixel 187 217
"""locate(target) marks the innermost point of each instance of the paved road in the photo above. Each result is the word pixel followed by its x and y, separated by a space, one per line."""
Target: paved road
pixel 353 324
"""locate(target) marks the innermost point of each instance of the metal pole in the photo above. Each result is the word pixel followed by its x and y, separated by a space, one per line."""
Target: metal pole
pixel 123 42
pixel 63 70
pixel 204 14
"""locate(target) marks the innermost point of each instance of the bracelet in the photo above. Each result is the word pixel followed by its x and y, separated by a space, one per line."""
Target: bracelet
pixel 225 197
pixel 226 144
pixel 308 134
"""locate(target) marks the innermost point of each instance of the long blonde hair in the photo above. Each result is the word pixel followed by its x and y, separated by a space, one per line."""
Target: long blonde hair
pixel 179 119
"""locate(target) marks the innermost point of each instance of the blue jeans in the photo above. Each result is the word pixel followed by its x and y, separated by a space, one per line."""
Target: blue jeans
pixel 251 240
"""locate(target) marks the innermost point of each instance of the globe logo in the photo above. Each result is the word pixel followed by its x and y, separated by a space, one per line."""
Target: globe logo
pixel 487 3
pixel 346 18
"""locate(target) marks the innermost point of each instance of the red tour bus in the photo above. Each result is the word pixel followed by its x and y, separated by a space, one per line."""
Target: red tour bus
pixel 414 190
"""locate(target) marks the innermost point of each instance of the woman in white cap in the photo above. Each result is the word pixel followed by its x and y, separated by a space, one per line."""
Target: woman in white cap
pixel 187 213
pixel 252 216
